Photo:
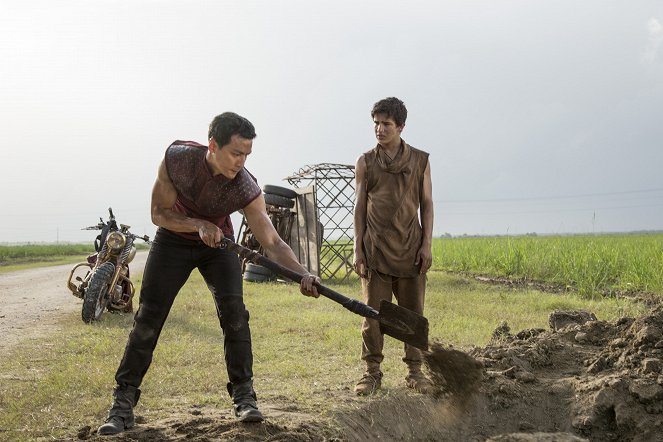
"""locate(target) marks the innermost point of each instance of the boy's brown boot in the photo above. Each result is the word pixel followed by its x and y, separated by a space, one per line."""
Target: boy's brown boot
pixel 420 383
pixel 369 383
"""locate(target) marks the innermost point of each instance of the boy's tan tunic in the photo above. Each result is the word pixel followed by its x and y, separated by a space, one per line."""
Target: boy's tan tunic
pixel 394 188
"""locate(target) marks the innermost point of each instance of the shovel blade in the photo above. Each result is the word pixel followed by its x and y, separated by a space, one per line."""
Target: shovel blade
pixel 403 324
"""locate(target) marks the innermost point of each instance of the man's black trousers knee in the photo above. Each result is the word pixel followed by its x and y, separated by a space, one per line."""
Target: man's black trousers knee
pixel 169 265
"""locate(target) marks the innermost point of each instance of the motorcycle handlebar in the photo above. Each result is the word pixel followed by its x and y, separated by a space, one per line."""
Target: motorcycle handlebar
pixel 145 238
pixel 97 227
pixel 101 225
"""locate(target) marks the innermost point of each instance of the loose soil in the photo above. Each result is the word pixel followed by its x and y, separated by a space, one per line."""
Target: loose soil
pixel 581 379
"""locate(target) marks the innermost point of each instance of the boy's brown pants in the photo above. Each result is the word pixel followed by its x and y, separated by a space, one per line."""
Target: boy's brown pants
pixel 410 294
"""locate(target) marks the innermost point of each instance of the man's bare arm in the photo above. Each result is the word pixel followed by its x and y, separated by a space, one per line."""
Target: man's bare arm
pixel 275 248
pixel 164 196
pixel 360 216
pixel 425 254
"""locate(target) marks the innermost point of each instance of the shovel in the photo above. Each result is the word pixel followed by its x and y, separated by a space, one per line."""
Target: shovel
pixel 395 321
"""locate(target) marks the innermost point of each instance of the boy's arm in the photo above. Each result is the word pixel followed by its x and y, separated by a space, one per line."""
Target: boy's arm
pixel 425 254
pixel 360 217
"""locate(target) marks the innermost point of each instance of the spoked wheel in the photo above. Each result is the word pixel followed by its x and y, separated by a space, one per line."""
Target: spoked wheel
pixel 96 295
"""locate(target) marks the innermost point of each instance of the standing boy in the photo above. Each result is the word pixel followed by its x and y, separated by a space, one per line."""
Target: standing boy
pixel 392 248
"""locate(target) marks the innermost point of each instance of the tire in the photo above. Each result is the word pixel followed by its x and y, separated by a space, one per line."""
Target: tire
pixel 279 201
pixel 280 191
pixel 258 269
pixel 254 277
pixel 96 295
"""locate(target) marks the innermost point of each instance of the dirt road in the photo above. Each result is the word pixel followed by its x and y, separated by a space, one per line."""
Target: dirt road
pixel 33 300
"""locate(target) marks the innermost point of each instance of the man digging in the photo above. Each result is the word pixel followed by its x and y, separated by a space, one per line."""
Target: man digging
pixel 392 249
pixel 196 190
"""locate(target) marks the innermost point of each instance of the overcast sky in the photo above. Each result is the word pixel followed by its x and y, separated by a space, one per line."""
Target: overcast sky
pixel 540 116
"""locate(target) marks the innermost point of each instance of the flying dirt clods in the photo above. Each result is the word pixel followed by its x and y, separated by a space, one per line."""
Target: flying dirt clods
pixel 457 374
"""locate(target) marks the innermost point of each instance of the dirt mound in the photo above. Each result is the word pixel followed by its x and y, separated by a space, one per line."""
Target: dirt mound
pixel 589 378
pixel 583 379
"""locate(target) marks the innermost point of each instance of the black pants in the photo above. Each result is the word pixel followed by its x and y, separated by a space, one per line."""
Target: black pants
pixel 169 264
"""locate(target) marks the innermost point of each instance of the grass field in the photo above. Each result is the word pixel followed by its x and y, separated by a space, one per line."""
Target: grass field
pixel 12 255
pixel 306 350
pixel 593 265
pixel 17 257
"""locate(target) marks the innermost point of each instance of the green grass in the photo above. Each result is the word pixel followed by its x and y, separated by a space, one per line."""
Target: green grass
pixel 31 251
pixel 306 351
pixel 17 257
pixel 593 265
pixel 43 262
pixel 42 253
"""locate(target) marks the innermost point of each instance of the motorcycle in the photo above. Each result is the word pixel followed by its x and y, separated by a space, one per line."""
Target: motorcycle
pixel 106 285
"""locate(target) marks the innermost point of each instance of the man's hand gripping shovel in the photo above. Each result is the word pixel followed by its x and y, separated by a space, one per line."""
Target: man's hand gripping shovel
pixel 395 321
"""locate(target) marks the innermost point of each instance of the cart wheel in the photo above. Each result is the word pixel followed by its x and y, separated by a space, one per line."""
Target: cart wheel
pixel 279 201
pixel 280 191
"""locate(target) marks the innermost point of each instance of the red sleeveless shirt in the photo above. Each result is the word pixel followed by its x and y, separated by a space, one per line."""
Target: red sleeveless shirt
pixel 203 195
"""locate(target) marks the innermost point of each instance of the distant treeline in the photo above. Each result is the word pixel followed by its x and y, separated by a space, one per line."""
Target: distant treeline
pixel 635 232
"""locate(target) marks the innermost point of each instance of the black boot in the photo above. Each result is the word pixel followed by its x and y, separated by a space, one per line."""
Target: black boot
pixel 121 415
pixel 244 402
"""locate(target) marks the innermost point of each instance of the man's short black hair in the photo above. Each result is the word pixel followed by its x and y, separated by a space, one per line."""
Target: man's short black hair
pixel 393 108
pixel 224 126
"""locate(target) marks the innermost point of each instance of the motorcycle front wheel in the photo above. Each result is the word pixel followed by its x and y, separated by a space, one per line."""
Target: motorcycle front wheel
pixel 96 294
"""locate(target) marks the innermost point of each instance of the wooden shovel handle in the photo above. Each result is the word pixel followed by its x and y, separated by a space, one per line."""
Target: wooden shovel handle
pixel 251 255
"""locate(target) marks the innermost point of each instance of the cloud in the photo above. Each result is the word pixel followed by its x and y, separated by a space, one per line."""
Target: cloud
pixel 655 30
